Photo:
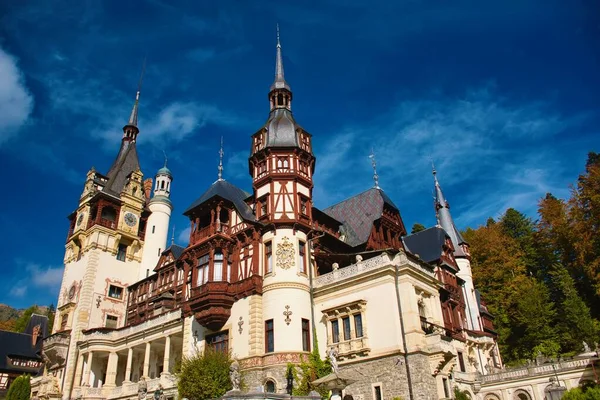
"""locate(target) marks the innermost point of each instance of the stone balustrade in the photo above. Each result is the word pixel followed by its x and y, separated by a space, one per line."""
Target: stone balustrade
pixel 114 335
pixel 522 372
pixel 359 267
pixel 128 390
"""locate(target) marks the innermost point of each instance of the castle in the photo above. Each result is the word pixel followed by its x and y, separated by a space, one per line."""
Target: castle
pixel 265 275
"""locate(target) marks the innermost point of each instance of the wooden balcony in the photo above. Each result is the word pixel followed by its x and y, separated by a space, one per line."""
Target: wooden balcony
pixel 211 303
pixel 208 231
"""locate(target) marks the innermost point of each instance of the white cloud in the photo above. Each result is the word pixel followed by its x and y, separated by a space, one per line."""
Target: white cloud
pixel 16 102
pixel 184 236
pixel 18 291
pixel 481 142
pixel 44 277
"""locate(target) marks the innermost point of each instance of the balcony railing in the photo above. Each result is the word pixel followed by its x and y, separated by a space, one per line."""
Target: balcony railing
pixel 209 231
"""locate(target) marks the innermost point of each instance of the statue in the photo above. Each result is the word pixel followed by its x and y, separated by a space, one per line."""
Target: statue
pixel 335 266
pixel 586 348
pixel 158 393
pixel 332 353
pixel 142 388
pixel 234 375
pixel 358 258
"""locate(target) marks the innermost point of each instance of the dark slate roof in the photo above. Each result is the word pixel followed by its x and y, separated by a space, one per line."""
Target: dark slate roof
pixel 427 244
pixel 227 191
pixel 37 319
pixel 358 213
pixel 282 129
pixel 18 345
pixel 125 163
pixel 175 249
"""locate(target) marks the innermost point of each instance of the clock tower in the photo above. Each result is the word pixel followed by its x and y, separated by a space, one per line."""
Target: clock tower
pixel 103 250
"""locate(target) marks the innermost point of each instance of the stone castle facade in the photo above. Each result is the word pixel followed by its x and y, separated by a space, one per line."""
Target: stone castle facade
pixel 266 275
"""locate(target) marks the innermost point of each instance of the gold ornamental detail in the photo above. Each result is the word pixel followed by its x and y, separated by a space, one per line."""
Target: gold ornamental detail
pixel 285 254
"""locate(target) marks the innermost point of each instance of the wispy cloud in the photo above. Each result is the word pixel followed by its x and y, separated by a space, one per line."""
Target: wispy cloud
pixel 481 139
pixel 36 276
pixel 184 236
pixel 16 102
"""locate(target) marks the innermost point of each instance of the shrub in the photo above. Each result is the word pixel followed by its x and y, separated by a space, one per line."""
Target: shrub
pixel 20 389
pixel 204 375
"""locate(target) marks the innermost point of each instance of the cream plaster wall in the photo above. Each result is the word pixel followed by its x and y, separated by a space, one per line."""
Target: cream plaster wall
pixel 155 239
pixel 473 318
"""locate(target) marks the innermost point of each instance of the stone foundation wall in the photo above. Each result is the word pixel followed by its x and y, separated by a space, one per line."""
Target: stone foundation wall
pixel 255 378
pixel 423 383
pixel 385 372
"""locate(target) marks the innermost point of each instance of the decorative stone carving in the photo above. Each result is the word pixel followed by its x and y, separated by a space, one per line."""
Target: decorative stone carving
pixel 285 254
pixel 287 314
pixel 234 375
pixel 358 258
pixel 335 266
pixel 240 323
pixel 142 388
pixel 332 354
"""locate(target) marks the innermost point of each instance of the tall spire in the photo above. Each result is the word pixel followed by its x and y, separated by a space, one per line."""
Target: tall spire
pixel 279 82
pixel 221 161
pixel 374 165
pixel 131 130
pixel 444 219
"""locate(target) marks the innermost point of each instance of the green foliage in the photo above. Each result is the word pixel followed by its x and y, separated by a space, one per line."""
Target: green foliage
pixel 591 392
pixel 417 227
pixel 461 394
pixel 50 313
pixel 311 369
pixel 20 389
pixel 204 375
pixel 23 320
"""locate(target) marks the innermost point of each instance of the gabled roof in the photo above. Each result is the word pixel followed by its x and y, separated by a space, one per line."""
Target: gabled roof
pixel 176 249
pixel 227 191
pixel 37 319
pixel 427 244
pixel 358 213
pixel 20 345
pixel 125 163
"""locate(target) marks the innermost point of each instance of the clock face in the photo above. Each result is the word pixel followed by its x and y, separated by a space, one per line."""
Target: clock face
pixel 130 219
pixel 79 219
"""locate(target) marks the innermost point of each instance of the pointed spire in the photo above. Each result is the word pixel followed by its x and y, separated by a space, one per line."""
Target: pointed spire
pixel 133 118
pixel 221 161
pixel 374 165
pixel 444 218
pixel 173 236
pixel 279 82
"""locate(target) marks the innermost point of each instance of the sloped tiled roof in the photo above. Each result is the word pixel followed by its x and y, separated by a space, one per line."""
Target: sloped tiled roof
pixel 125 163
pixel 427 244
pixel 175 249
pixel 358 213
pixel 19 345
pixel 227 191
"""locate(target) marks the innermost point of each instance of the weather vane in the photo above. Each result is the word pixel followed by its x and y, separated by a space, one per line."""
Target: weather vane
pixel 374 164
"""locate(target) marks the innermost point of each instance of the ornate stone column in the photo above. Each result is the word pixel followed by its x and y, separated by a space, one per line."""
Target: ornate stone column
pixel 146 361
pixel 128 367
pixel 79 370
pixel 88 369
pixel 167 356
pixel 111 369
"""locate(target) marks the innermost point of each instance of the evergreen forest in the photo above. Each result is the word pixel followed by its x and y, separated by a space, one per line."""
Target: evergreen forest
pixel 540 277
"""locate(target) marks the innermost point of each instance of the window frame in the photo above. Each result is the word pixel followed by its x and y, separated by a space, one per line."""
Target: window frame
pixel 202 269
pixel 305 334
pixel 269 336
pixel 120 289
pixel 268 246
pixel 122 252
pixel 302 257
pixel 218 266
pixel 221 342
pixel 347 329
pixel 335 331
pixel 358 327
pixel 110 317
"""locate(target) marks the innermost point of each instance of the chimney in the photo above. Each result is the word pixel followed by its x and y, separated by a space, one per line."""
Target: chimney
pixel 148 187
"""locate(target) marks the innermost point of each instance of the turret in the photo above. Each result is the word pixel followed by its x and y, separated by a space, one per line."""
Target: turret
pixel 461 254
pixel 157 227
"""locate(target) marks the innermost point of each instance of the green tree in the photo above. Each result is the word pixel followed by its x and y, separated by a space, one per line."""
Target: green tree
pixel 20 389
pixel 461 394
pixel 417 227
pixel 522 229
pixel 311 369
pixel 204 375
pixel 23 320
pixel 50 313
pixel 591 392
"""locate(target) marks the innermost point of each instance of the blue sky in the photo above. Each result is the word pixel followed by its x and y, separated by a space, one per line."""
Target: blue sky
pixel 502 95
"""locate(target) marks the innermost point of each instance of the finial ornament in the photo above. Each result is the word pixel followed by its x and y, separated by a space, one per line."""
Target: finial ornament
pixel 173 236
pixel 374 164
pixel 221 161
pixel 278 42
pixel 166 159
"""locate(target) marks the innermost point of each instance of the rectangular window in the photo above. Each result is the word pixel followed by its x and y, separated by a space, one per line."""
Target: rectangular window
pixel 153 228
pixel 461 362
pixel 121 252
pixel 111 321
pixel 305 335
pixel 303 204
pixel 202 270
pixel 335 331
pixel 377 392
pixel 218 266
pixel 446 389
pixel 269 257
pixel 302 256
pixel 346 322
pixel 115 292
pixel 64 319
pixel 218 341
pixel 358 328
pixel 269 337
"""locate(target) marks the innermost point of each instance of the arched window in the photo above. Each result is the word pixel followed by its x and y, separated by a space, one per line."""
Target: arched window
pixel 270 386
pixel 280 99
pixel 522 395
pixel 218 266
pixel 162 184
pixel 109 213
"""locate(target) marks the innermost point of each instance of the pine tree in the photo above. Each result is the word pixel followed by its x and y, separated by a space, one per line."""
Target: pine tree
pixel 417 227
pixel 20 389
